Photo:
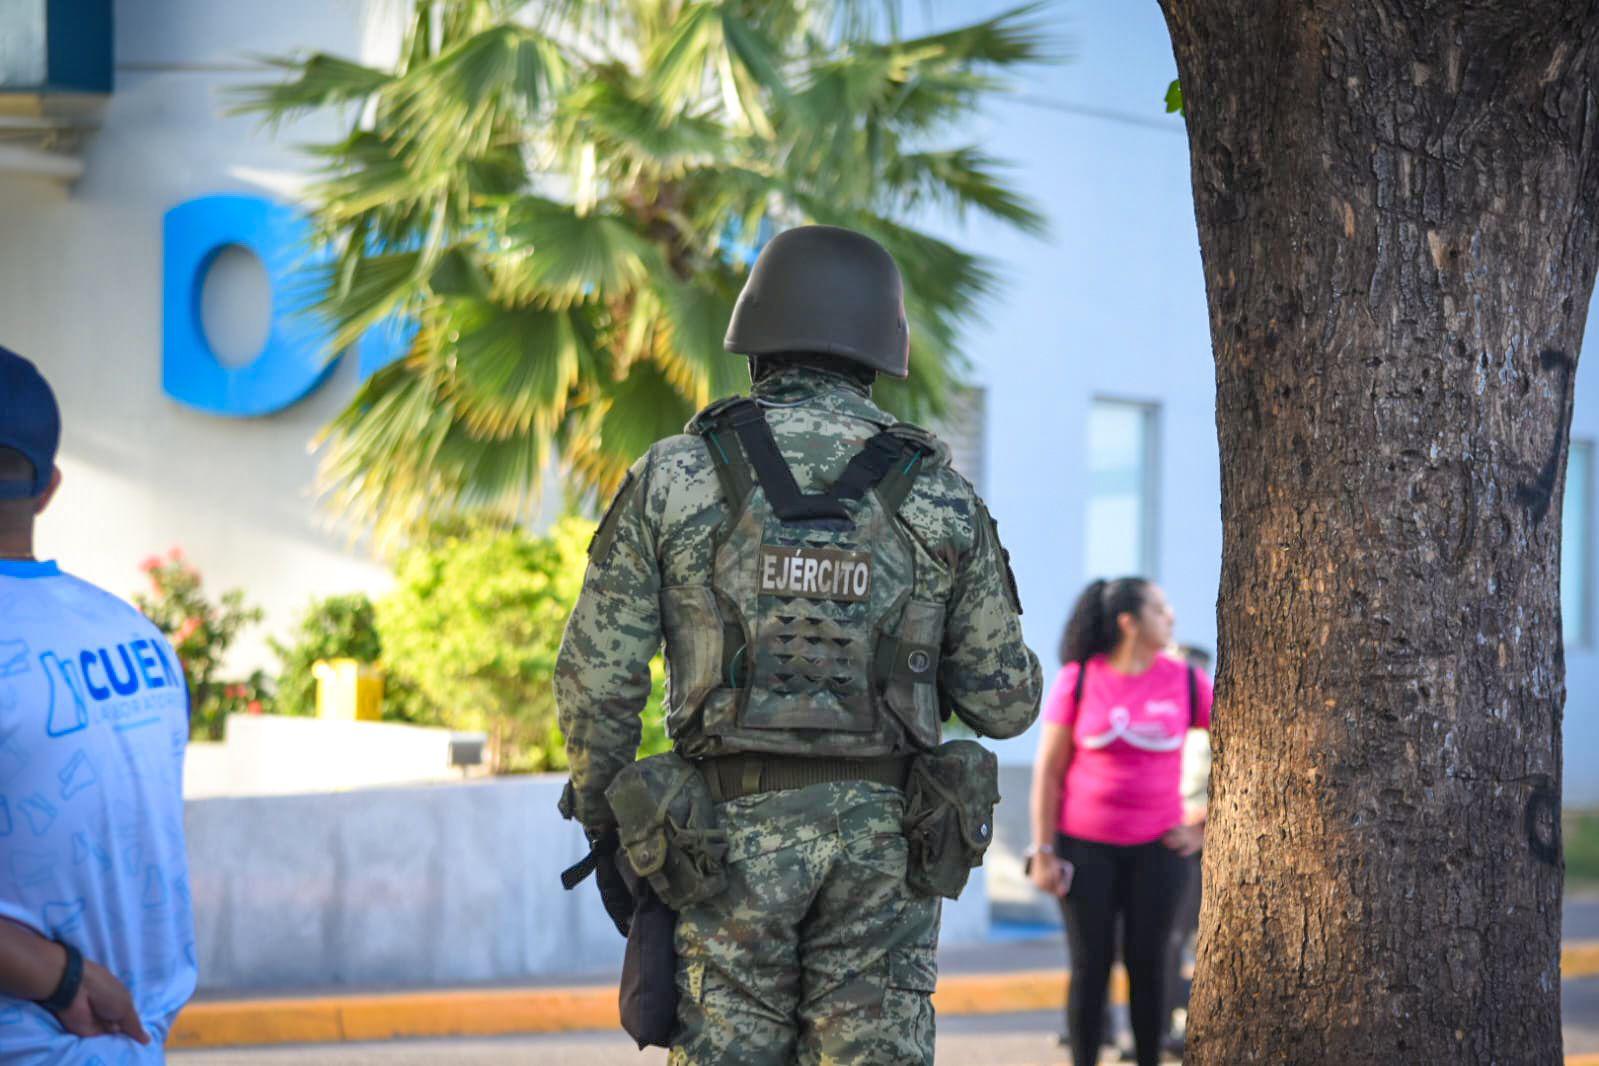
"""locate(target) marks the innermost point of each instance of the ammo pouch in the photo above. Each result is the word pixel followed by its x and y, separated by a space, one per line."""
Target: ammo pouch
pixel 668 827
pixel 949 815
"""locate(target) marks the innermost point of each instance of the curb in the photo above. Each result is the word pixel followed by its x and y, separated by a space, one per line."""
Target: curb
pixel 493 1012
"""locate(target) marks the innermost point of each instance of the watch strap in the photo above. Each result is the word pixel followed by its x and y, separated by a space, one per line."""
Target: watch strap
pixel 71 980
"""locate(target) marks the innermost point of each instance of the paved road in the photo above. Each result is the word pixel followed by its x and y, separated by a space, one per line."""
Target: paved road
pixel 972 1040
pixel 992 1040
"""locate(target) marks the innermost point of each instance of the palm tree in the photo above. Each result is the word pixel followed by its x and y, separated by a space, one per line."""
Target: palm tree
pixel 565 205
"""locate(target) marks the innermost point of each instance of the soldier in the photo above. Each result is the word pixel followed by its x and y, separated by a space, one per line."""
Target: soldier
pixel 829 590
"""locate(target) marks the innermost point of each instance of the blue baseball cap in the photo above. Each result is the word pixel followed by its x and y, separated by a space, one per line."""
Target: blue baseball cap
pixel 30 423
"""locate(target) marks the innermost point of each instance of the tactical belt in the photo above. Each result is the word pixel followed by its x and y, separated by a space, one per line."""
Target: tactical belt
pixel 733 777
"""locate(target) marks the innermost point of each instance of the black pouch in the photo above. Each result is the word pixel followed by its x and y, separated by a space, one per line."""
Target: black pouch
pixel 648 993
pixel 949 815
pixel 669 829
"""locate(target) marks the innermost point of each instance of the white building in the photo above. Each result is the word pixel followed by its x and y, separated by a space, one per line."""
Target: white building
pixel 1099 453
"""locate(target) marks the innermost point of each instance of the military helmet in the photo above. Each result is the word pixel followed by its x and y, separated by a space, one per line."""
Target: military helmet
pixel 824 289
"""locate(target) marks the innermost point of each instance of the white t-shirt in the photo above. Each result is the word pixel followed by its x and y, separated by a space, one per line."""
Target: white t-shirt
pixel 93 723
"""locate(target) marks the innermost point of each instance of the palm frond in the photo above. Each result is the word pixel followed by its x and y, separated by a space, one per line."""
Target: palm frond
pixel 639 410
pixel 512 371
pixel 561 257
pixel 374 288
pixel 455 105
pixel 320 80
pixel 962 179
pixel 690 352
pixel 679 64
pixel 1011 38
pixel 565 202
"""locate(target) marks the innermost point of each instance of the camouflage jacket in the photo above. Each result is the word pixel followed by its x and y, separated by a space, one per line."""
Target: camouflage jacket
pixel 659 533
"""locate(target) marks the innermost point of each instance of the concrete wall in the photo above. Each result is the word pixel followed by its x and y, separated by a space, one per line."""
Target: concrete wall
pixel 275 755
pixel 442 885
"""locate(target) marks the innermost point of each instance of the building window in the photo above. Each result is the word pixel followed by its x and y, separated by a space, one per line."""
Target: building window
pixel 1576 549
pixel 1123 485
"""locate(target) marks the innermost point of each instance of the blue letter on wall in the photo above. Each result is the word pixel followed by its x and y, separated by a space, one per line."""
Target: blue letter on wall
pixel 295 359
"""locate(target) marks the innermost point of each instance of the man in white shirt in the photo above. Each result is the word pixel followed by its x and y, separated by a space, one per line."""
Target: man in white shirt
pixel 96 930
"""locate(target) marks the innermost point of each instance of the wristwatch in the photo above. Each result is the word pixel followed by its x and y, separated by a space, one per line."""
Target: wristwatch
pixel 1032 850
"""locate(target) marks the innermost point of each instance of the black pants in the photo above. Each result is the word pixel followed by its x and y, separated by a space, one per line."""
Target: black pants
pixel 1142 884
pixel 1185 926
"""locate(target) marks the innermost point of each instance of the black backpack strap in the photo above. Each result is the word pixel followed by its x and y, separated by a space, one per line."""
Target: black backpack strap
pixel 872 466
pixel 744 453
pixel 748 420
pixel 1077 693
pixel 893 490
pixel 918 449
pixel 727 456
pixel 1193 698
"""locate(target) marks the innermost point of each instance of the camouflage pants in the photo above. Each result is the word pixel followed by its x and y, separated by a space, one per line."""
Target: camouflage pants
pixel 817 952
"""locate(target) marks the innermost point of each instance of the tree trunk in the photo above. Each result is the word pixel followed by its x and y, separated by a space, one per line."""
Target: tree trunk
pixel 1397 207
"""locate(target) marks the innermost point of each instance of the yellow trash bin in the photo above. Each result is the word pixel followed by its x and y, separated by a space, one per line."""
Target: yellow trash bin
pixel 348 690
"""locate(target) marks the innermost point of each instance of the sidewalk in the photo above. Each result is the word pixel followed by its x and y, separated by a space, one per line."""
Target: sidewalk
pixel 1021 969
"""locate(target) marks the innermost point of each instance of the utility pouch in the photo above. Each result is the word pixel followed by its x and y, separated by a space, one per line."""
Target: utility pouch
pixel 647 994
pixel 949 815
pixel 669 830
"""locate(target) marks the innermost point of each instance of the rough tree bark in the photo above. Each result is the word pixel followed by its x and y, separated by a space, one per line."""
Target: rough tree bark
pixel 1397 205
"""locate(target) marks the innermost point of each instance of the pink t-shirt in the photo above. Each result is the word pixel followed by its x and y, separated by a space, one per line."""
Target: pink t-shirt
pixel 1122 785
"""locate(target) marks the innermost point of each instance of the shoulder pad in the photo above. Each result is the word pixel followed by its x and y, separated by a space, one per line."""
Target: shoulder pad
pixel 708 417
pixel 938 452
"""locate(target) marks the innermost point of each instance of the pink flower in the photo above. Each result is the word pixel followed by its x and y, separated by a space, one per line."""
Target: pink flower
pixel 176 554
pixel 150 564
pixel 254 707
pixel 187 629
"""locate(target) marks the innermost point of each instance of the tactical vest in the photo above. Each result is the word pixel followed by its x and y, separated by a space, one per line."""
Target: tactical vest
pixel 807 641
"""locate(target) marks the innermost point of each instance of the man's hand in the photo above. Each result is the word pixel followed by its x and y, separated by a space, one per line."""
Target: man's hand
pixel 102 1007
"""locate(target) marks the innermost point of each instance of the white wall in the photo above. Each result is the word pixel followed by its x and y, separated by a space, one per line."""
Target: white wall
pixel 443 885
pixel 80 294
pixel 278 755
pixel 1113 305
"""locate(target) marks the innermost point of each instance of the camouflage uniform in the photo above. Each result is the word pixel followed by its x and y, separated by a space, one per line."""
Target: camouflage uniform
pixel 817 951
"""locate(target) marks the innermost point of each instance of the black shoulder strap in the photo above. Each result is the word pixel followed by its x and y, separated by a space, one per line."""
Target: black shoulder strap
pixel 895 488
pixel 1077 693
pixel 745 452
pixel 920 448
pixel 727 457
pixel 732 468
pixel 1193 698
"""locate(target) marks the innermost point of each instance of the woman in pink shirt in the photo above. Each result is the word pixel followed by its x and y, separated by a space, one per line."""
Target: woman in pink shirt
pixel 1108 832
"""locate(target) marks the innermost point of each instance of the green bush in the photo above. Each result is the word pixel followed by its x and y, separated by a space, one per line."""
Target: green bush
pixel 475 623
pixel 1580 833
pixel 343 627
pixel 338 627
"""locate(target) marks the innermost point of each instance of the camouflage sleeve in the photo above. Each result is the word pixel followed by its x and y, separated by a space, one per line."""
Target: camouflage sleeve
pixel 602 675
pixel 987 675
